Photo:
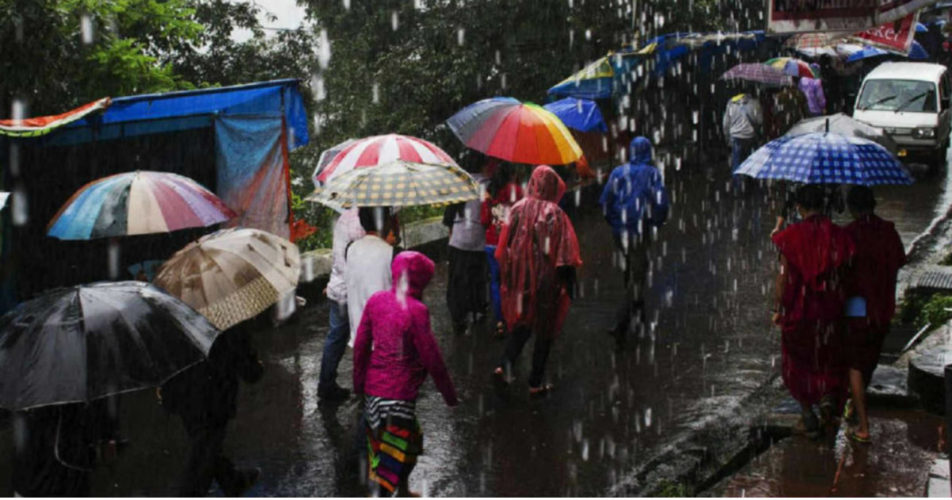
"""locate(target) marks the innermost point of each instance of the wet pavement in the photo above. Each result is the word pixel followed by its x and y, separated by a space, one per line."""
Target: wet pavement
pixel 897 463
pixel 708 345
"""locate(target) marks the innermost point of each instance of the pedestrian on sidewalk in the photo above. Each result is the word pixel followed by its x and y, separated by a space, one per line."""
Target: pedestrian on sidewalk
pixel 809 297
pixel 54 450
pixel 871 286
pixel 466 287
pixel 538 253
pixel 502 192
pixel 743 123
pixel 368 262
pixel 347 229
pixel 205 396
pixel 394 352
pixel 812 89
pixel 634 201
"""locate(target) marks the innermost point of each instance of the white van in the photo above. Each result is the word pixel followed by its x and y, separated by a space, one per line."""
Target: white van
pixel 911 102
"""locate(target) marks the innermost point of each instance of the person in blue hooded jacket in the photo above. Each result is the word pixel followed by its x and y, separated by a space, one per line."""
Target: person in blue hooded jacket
pixel 634 200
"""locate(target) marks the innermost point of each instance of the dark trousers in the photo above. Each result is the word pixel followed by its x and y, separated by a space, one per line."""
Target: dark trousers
pixel 635 260
pixel 494 295
pixel 466 290
pixel 335 345
pixel 540 353
pixel 206 462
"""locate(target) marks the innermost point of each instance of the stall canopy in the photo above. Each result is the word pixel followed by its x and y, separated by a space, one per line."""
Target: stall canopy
pixel 255 125
pixel 233 140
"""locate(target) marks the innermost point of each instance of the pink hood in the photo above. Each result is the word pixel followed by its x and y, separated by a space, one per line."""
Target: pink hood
pixel 417 268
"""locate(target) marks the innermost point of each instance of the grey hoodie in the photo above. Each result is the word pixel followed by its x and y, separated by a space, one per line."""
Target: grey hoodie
pixel 742 118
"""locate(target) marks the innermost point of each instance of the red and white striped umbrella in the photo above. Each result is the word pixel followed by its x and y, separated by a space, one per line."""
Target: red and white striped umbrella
pixel 380 150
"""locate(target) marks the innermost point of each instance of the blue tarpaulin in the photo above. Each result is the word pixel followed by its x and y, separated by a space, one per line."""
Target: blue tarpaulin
pixel 251 169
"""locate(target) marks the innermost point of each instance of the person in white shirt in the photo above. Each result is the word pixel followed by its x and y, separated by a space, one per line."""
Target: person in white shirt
pixel 346 230
pixel 367 264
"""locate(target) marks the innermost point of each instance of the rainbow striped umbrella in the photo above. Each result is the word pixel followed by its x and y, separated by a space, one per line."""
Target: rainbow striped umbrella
pixel 138 202
pixel 517 132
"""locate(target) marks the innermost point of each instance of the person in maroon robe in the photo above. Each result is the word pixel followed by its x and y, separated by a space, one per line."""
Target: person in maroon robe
pixel 872 276
pixel 810 298
pixel 538 253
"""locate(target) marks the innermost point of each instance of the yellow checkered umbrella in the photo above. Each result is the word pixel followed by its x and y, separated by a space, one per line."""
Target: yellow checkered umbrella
pixel 398 184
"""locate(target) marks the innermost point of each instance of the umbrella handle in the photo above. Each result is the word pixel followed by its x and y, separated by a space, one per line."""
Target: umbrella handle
pixel 827 126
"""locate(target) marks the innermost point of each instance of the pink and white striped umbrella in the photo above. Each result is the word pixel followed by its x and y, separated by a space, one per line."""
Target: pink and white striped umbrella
pixel 380 150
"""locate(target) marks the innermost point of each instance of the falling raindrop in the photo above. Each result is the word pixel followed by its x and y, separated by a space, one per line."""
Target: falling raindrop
pixel 323 49
pixel 347 4
pixel 86 29
pixel 376 93
pixel 113 258
pixel 19 207
pixel 461 36
pixel 394 21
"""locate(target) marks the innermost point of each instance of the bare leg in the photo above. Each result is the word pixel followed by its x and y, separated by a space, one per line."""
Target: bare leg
pixel 858 388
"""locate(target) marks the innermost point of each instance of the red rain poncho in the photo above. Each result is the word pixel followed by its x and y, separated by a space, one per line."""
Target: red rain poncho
pixel 812 305
pixel 538 239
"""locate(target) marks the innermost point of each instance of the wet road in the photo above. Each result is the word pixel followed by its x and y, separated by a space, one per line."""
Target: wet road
pixel 708 345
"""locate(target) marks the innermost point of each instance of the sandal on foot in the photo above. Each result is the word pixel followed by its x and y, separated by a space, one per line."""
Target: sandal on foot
pixel 851 433
pixel 500 329
pixel 541 391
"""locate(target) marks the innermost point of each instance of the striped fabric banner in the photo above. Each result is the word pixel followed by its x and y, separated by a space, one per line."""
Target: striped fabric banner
pixel 42 125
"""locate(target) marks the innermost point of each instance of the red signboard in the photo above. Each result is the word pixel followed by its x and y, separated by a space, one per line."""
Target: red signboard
pixel 893 36
pixel 802 16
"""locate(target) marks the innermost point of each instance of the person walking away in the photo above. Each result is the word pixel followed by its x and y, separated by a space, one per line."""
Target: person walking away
pixel 743 121
pixel 812 89
pixel 54 450
pixel 368 263
pixel 205 396
pixel 502 193
pixel 468 268
pixel 809 297
pixel 347 229
pixel 790 107
pixel 871 283
pixel 538 253
pixel 394 352
pixel 634 201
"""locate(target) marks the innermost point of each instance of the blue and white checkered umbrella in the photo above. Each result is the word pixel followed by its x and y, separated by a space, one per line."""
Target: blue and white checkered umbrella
pixel 825 158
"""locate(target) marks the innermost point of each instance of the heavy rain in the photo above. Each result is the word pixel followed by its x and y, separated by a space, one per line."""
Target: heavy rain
pixel 467 248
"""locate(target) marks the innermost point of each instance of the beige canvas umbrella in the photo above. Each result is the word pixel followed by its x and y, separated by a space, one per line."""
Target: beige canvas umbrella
pixel 232 275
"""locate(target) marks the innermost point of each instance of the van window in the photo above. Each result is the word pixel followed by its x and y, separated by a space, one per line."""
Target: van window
pixel 898 95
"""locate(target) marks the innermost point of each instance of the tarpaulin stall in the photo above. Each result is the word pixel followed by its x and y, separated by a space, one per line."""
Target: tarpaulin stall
pixel 234 140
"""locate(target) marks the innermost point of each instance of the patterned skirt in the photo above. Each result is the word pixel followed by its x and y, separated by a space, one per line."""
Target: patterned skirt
pixel 394 440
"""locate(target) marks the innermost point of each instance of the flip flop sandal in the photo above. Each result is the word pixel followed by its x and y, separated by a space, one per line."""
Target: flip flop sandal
pixel 857 438
pixel 540 392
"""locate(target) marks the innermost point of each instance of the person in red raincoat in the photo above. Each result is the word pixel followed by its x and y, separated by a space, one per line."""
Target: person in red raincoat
pixel 872 276
pixel 810 299
pixel 537 253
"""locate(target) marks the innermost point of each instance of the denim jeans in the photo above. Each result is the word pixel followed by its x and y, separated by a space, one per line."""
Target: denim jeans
pixel 335 344
pixel 494 296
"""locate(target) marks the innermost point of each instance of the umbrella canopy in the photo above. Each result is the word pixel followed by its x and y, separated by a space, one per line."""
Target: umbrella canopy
pixel 399 184
pixel 326 157
pixel 825 158
pixel 594 81
pixel 844 125
pixel 758 73
pixel 86 342
pixel 791 66
pixel 504 128
pixel 915 52
pixel 232 275
pixel 579 114
pixel 140 202
pixel 380 150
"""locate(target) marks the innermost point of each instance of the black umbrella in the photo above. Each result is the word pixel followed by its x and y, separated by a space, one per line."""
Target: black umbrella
pixel 86 342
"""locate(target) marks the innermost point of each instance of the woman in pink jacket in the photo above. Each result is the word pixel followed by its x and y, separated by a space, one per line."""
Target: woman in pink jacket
pixel 393 353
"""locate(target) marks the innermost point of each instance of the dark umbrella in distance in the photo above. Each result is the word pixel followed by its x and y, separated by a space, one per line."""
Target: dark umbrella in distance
pixel 758 73
pixel 86 342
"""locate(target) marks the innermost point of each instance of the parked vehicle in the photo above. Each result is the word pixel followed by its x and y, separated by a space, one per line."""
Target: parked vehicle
pixel 910 101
